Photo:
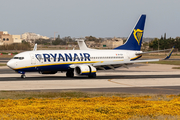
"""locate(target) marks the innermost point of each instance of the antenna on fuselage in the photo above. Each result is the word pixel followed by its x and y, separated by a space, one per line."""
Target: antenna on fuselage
pixel 35 47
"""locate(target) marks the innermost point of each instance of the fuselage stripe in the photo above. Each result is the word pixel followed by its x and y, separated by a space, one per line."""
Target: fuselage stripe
pixel 137 57
pixel 56 64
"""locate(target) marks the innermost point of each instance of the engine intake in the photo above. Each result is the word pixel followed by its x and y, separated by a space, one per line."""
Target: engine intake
pixel 85 70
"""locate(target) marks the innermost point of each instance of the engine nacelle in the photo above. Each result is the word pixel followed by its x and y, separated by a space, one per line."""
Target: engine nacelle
pixel 47 72
pixel 85 70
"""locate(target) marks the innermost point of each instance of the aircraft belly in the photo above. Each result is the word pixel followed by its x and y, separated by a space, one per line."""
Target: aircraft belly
pixel 63 67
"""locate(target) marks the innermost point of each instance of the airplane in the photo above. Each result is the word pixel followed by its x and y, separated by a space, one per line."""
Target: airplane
pixel 85 61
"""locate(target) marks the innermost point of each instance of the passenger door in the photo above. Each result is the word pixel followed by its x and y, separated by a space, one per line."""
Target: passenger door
pixel 33 59
pixel 128 56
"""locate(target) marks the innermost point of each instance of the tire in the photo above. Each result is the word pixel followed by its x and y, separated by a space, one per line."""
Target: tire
pixel 92 75
pixel 70 73
pixel 23 76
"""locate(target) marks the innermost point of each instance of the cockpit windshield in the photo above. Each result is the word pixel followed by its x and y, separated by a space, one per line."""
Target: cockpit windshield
pixel 20 58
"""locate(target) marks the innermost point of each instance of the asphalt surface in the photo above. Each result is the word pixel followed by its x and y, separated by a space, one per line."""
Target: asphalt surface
pixel 4 60
pixel 139 78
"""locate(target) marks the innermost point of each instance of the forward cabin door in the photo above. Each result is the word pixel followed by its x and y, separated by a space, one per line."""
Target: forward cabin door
pixel 127 55
pixel 33 59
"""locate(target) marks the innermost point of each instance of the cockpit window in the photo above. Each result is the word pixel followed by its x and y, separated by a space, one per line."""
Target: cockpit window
pixel 16 58
pixel 20 58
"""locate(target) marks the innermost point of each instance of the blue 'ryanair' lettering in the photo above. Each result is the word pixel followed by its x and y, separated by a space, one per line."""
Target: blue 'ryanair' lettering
pixel 58 57
pixel 46 57
pixel 54 56
pixel 86 56
pixel 76 57
pixel 81 56
pixel 68 57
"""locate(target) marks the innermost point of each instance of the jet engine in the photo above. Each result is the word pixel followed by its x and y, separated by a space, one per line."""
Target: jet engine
pixel 85 70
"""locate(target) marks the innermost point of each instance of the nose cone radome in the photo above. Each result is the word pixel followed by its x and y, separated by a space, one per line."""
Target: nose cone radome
pixel 10 64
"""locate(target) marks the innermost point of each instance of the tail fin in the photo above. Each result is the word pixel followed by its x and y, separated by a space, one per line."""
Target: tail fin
pixel 135 39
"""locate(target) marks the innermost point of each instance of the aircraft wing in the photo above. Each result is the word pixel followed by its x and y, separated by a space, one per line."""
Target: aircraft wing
pixel 171 50
pixel 114 64
pixel 122 62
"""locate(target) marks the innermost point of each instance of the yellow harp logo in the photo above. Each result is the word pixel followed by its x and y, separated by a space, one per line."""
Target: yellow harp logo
pixel 137 35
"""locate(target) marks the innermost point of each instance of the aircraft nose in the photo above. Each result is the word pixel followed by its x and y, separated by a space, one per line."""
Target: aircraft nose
pixel 10 64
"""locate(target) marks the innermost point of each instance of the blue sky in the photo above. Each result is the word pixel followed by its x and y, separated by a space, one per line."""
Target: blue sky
pixel 99 18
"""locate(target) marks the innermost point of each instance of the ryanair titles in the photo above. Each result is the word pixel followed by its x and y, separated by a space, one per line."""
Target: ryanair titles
pixel 57 57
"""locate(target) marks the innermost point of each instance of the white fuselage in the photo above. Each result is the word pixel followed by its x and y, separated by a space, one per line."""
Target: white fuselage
pixel 60 60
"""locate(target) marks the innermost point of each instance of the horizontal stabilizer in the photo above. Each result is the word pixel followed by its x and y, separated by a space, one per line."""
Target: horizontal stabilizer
pixel 82 45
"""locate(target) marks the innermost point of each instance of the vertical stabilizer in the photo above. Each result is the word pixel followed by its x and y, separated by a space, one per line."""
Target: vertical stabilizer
pixel 135 39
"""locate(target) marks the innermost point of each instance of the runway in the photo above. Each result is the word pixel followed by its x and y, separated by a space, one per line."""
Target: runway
pixel 140 78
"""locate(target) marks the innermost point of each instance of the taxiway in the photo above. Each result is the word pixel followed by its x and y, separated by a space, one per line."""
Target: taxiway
pixel 140 78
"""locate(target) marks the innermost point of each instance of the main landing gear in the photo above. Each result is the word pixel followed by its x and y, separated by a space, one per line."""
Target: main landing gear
pixel 92 75
pixel 70 73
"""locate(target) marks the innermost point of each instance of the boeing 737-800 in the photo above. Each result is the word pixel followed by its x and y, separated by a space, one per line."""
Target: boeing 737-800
pixel 81 62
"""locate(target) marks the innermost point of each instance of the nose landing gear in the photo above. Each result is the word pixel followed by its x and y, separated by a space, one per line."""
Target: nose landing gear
pixel 23 76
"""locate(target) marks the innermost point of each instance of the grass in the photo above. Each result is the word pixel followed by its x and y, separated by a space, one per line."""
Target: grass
pixel 175 67
pixel 6 56
pixel 49 94
pixel 2 64
pixel 73 94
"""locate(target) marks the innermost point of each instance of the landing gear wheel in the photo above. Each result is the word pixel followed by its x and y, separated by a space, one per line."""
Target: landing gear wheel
pixel 70 73
pixel 92 75
pixel 23 76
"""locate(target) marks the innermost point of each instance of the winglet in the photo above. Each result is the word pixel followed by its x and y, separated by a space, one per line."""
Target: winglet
pixel 169 54
pixel 35 47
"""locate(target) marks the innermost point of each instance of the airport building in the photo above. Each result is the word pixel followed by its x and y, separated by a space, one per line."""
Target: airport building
pixel 17 39
pixel 5 38
pixel 28 36
pixel 112 43
pixel 108 43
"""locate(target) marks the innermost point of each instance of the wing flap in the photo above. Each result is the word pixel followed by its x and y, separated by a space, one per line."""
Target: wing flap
pixel 122 62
